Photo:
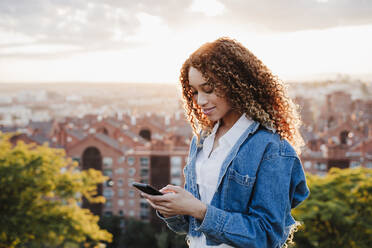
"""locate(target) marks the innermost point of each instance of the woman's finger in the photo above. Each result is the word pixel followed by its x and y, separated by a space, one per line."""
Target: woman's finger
pixel 153 198
pixel 172 188
pixel 151 203
pixel 159 207
pixel 164 214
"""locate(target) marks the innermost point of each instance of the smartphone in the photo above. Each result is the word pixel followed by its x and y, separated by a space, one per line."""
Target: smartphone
pixel 148 189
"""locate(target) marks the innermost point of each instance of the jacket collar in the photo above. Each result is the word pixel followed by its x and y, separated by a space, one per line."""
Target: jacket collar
pixel 250 130
pixel 234 150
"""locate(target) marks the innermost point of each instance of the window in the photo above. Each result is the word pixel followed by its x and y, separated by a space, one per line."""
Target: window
pixel 176 160
pixel 108 193
pixel 121 202
pixel 107 162
pixel 131 213
pixel 144 172
pixel 176 166
pixel 144 180
pixel 131 193
pixel 343 136
pixel 307 164
pixel 108 213
pixel 176 170
pixel 131 160
pixel 121 213
pixel 121 159
pixel 121 192
pixel 130 182
pixel 107 172
pixel 144 161
pixel 120 182
pixel 321 166
pixel 369 165
pixel 131 202
pixel 132 171
pixel 144 210
pixel 121 222
pixel 354 164
pixel 144 205
pixel 119 170
pixel 144 214
pixel 108 204
pixel 176 181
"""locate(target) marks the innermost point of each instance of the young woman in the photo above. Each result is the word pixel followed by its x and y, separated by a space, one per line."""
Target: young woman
pixel 243 174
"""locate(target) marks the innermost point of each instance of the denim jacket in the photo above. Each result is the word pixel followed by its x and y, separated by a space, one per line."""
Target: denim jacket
pixel 260 181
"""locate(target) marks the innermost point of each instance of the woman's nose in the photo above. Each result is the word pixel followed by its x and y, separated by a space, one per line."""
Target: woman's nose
pixel 202 99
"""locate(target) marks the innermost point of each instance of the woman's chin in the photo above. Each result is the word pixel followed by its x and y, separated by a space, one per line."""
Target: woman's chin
pixel 213 118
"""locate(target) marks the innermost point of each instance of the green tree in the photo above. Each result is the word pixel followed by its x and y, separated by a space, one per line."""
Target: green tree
pixel 129 232
pixel 162 239
pixel 338 212
pixel 40 192
pixel 114 226
pixel 138 234
pixel 174 240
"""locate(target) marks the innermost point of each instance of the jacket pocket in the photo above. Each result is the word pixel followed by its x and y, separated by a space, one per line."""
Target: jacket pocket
pixel 239 190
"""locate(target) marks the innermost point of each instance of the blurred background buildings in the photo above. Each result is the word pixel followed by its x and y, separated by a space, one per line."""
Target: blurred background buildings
pixel 139 133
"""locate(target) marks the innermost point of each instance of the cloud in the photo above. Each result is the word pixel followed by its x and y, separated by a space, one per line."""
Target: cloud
pixel 66 21
pixel 85 25
pixel 80 24
pixel 296 15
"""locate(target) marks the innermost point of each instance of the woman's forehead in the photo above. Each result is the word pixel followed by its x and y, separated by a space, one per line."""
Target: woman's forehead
pixel 196 78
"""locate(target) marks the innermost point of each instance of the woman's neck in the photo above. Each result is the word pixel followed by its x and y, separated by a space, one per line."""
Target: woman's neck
pixel 229 119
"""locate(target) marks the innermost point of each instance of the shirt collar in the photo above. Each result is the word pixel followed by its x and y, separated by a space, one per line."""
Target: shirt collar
pixel 231 136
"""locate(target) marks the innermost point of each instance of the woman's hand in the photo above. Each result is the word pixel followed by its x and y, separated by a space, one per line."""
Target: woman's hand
pixel 176 200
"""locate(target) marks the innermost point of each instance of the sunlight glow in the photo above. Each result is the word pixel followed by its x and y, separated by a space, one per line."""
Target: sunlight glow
pixel 156 52
pixel 208 7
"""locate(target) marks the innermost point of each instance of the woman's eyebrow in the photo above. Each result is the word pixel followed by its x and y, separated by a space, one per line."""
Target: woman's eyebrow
pixel 200 85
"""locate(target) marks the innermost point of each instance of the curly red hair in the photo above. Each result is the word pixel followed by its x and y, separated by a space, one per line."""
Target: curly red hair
pixel 246 83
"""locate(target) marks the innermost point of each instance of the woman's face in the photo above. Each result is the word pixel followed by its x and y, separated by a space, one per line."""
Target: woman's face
pixel 213 106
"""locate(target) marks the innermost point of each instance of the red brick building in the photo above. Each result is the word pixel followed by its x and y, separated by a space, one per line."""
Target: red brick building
pixel 127 154
pixel 340 137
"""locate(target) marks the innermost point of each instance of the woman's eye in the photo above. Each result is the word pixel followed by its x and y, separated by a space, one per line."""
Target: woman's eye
pixel 208 89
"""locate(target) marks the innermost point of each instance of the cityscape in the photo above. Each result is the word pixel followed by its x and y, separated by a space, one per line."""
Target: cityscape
pixel 138 132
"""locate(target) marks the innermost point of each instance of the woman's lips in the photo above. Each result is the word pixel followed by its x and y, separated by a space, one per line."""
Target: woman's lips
pixel 208 111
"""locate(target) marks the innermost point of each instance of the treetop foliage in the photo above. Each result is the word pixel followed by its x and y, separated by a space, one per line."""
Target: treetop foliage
pixel 338 212
pixel 40 197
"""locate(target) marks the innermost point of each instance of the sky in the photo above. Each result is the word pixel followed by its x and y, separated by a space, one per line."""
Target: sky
pixel 147 40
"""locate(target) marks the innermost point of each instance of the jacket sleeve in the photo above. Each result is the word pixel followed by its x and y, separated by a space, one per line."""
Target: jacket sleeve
pixel 178 223
pixel 263 222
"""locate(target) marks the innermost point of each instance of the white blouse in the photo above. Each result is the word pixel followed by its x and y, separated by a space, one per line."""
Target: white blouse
pixel 208 166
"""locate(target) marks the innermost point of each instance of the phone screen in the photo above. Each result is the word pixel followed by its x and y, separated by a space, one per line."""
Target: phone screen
pixel 148 189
